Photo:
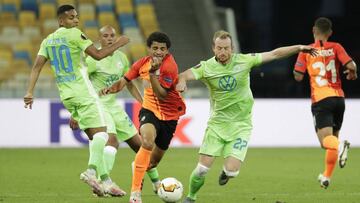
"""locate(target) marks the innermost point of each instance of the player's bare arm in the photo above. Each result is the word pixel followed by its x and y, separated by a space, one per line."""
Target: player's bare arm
pixel 351 70
pixel 74 125
pixel 116 87
pixel 287 51
pixel 99 54
pixel 159 91
pixel 183 77
pixel 134 91
pixel 35 72
pixel 298 76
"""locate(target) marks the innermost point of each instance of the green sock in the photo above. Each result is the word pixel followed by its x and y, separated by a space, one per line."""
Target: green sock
pixel 109 158
pixel 96 148
pixel 153 175
pixel 195 184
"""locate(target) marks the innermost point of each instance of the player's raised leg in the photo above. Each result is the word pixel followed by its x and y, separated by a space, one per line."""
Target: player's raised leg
pixel 344 147
pixel 142 161
pixel 330 143
pixel 197 177
pixel 98 138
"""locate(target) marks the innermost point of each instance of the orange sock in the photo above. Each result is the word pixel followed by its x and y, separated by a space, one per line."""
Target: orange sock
pixel 142 160
pixel 331 143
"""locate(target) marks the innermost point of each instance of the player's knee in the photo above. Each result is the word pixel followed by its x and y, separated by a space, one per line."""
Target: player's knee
pixel 147 143
pixel 102 135
pixel 330 142
pixel 112 141
pixel 231 173
pixel 201 170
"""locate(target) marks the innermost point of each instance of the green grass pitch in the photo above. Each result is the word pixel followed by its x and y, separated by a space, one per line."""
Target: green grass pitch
pixel 274 175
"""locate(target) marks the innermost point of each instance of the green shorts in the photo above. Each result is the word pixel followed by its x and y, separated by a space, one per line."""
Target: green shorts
pixel 87 110
pixel 119 123
pixel 214 145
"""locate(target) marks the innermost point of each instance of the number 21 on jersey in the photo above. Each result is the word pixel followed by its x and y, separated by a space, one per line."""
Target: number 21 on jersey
pixel 321 76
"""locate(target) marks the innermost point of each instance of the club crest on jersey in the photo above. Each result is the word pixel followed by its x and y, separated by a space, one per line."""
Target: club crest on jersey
pixel 227 83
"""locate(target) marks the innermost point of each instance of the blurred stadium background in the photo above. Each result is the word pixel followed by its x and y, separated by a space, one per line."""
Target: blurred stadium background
pixel 39 175
pixel 256 24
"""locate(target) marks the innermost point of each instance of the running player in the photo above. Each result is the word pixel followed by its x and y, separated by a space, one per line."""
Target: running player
pixel 327 96
pixel 103 74
pixel 65 49
pixel 161 108
pixel 229 128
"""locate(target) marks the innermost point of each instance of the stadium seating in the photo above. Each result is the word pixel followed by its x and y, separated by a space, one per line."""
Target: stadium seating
pixel 25 23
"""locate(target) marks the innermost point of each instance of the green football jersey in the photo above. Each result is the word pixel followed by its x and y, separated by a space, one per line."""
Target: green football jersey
pixel 65 48
pixel 105 72
pixel 231 99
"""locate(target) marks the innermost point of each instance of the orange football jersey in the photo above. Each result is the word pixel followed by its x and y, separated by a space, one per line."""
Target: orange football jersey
pixel 173 106
pixel 324 69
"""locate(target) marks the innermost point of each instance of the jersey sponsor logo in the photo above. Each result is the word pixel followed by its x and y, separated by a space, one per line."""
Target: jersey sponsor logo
pixel 66 78
pixel 227 83
pixel 111 79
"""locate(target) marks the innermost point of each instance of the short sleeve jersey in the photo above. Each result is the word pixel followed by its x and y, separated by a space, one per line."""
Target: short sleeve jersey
pixel 231 98
pixel 324 69
pixel 173 106
pixel 106 72
pixel 65 50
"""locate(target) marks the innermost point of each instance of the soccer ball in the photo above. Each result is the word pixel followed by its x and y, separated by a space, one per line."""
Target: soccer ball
pixel 170 190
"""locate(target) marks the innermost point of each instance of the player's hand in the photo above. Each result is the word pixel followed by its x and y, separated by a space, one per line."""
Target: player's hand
pixel 105 91
pixel 28 100
pixel 350 74
pixel 308 49
pixel 122 40
pixel 74 125
pixel 155 64
pixel 181 86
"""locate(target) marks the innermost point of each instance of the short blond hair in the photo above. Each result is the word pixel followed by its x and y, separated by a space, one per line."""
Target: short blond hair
pixel 222 34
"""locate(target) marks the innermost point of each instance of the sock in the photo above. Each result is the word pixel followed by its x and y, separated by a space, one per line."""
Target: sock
pixel 153 175
pixel 109 158
pixel 142 160
pixel 96 148
pixel 196 182
pixel 331 144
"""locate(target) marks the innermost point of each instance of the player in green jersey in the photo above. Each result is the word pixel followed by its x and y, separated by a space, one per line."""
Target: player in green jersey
pixel 103 74
pixel 229 127
pixel 65 49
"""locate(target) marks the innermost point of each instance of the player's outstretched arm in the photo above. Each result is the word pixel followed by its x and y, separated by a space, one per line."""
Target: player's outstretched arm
pixel 35 72
pixel 351 70
pixel 99 54
pixel 183 77
pixel 287 51
pixel 134 91
pixel 116 87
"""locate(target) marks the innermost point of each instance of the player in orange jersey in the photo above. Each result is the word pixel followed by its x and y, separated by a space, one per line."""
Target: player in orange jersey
pixel 327 96
pixel 161 108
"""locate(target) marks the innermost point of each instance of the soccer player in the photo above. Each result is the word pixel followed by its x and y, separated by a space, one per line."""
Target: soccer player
pixel 161 108
pixel 229 128
pixel 103 74
pixel 65 49
pixel 327 96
